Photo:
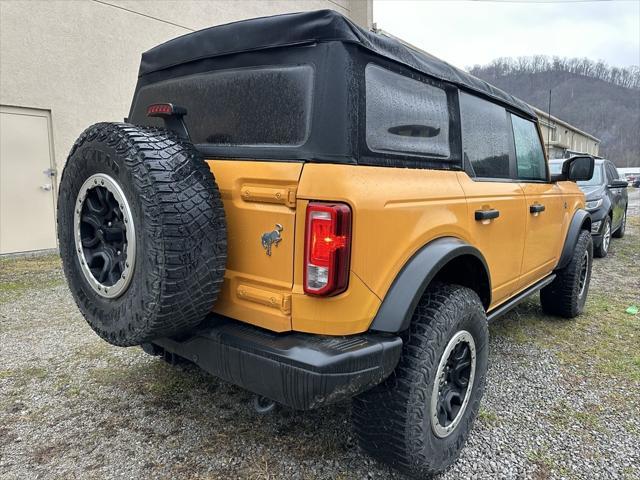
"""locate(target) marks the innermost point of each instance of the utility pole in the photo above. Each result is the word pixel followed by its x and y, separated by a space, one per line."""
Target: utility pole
pixel 549 128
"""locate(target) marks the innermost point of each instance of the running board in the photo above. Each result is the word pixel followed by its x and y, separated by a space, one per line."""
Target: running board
pixel 505 307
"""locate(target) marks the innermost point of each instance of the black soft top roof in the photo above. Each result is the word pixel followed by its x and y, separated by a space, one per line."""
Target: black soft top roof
pixel 298 29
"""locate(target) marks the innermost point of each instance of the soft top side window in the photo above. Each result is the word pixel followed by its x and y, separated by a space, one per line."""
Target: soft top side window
pixel 405 116
pixel 486 137
pixel 529 153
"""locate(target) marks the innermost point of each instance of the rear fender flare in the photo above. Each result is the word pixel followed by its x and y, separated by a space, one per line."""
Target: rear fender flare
pixel 396 311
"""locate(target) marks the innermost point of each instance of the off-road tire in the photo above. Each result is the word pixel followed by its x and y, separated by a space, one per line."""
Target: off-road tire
pixel 562 296
pixel 392 421
pixel 601 250
pixel 180 232
pixel 619 233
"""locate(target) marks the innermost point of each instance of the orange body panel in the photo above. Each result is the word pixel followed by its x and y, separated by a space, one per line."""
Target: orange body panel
pixel 395 212
pixel 256 196
pixel 500 240
pixel 542 240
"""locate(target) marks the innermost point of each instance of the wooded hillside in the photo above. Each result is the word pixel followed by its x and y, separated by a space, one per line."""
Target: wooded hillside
pixel 601 100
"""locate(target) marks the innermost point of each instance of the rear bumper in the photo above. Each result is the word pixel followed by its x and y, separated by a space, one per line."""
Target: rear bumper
pixel 300 370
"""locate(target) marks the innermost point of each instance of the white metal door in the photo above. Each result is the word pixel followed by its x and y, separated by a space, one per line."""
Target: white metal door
pixel 27 216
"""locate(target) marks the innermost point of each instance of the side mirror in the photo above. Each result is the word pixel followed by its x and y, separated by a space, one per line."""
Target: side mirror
pixel 618 184
pixel 576 169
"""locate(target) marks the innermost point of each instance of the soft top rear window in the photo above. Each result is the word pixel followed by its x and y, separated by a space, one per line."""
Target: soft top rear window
pixel 263 106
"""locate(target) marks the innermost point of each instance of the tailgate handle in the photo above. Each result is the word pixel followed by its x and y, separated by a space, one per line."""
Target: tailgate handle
pixel 487 214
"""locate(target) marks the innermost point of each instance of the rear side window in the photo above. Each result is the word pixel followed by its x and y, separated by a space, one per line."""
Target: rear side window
pixel 485 137
pixel 264 106
pixel 404 115
pixel 529 154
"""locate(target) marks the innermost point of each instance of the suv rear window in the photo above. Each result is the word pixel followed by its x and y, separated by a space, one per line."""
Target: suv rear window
pixel 485 137
pixel 251 106
pixel 404 115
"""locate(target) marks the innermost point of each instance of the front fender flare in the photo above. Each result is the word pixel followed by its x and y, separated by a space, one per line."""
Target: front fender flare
pixel 394 315
pixel 581 218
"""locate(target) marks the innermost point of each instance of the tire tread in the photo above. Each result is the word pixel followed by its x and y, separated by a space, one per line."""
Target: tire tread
pixel 183 218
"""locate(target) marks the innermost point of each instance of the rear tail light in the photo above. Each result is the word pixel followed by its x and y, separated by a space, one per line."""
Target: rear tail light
pixel 327 248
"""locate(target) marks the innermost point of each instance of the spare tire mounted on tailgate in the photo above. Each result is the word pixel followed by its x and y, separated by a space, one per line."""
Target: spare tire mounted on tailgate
pixel 142 232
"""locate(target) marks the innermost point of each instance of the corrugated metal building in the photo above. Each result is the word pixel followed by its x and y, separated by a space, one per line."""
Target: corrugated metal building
pixel 563 139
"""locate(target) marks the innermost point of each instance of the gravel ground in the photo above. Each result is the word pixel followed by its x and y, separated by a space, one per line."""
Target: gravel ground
pixel 563 397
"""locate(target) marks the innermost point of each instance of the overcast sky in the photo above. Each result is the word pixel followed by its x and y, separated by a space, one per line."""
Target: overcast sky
pixel 465 33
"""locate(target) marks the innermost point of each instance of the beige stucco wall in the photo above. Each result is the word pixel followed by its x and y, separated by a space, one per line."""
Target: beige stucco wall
pixel 79 58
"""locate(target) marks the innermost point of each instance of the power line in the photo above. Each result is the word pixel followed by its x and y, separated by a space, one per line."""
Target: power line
pixel 144 15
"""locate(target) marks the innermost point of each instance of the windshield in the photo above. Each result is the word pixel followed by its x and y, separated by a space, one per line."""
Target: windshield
pixel 595 180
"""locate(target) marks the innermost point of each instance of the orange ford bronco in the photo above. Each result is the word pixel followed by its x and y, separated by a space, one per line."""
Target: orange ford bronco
pixel 315 212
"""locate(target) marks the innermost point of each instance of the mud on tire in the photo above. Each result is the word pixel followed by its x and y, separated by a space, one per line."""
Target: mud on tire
pixel 393 422
pixel 179 232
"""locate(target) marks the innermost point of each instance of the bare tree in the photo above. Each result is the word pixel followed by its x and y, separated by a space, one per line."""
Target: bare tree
pixel 500 67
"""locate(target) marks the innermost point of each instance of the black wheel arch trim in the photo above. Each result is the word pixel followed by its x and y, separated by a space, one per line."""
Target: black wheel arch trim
pixel 396 310
pixel 581 221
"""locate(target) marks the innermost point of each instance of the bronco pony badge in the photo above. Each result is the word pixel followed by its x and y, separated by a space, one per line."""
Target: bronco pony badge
pixel 271 238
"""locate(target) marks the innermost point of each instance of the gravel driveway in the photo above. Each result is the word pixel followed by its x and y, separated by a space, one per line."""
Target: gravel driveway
pixel 563 397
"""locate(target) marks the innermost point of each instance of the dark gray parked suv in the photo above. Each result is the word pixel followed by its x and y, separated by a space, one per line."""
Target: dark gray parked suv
pixel 606 200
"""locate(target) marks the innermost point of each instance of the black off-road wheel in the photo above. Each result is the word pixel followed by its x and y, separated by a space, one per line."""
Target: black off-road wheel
pixel 602 249
pixel 418 420
pixel 142 233
pixel 619 233
pixel 567 294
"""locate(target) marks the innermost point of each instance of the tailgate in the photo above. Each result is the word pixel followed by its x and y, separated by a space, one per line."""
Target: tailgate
pixel 259 203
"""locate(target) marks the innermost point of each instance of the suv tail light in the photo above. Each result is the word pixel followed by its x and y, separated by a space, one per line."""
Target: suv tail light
pixel 327 248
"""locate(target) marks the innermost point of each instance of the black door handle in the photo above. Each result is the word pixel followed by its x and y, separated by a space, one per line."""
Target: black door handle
pixel 536 208
pixel 487 214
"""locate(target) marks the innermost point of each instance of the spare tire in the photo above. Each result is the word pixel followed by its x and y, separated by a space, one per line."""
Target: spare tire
pixel 141 231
